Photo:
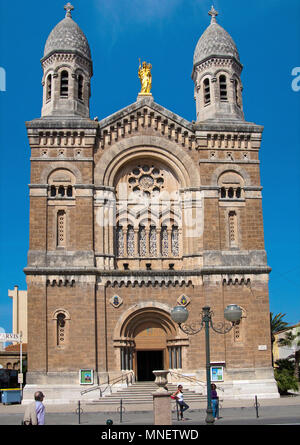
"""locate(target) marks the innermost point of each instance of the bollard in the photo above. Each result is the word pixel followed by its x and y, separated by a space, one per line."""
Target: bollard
pixel 79 411
pixel 256 406
pixel 121 409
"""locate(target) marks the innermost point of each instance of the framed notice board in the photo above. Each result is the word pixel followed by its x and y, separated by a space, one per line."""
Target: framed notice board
pixel 86 377
pixel 216 374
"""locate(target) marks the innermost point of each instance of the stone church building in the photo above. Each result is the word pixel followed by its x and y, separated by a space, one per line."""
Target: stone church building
pixel 140 212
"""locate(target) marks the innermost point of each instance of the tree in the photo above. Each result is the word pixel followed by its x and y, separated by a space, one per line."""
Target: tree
pixel 277 324
pixel 284 375
pixel 292 341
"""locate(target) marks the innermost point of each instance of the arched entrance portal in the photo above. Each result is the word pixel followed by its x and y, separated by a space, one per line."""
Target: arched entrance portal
pixel 148 341
pixel 150 350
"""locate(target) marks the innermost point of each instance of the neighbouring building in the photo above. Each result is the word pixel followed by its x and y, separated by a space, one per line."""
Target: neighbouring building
pixel 288 351
pixel 137 213
pixel 19 300
pixel 10 355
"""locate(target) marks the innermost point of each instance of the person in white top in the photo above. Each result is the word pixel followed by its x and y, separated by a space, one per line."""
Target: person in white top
pixel 178 395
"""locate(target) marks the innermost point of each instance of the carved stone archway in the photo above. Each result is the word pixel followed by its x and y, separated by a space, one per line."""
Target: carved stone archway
pixel 142 146
pixel 148 328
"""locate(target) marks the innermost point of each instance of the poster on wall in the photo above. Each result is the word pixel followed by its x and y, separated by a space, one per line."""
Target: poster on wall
pixel 216 373
pixel 86 377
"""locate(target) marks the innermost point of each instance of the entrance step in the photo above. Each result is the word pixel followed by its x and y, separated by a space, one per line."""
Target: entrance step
pixel 141 393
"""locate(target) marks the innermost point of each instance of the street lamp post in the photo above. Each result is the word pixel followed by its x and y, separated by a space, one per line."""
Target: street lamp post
pixel 232 313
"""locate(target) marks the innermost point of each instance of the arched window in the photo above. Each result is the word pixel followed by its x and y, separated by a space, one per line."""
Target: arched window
pixel 52 191
pixel 230 193
pixel 233 230
pixel 155 234
pixel 61 228
pixel 61 327
pixel 130 241
pixel 223 87
pixel 239 328
pixel 231 186
pixel 164 241
pixel 49 87
pixel 142 241
pixel 69 191
pixel 61 324
pixel 61 184
pixel 152 241
pixel 175 241
pixel 61 191
pixel 236 92
pixel 80 87
pixel 120 241
pixel 64 84
pixel 206 90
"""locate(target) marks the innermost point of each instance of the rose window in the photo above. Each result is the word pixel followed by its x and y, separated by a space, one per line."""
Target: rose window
pixel 146 180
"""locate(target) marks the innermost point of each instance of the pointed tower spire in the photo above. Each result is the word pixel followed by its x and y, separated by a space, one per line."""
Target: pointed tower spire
pixel 69 8
pixel 213 13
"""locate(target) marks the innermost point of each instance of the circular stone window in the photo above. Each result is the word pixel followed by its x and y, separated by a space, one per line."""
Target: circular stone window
pixel 146 181
pixel 147 178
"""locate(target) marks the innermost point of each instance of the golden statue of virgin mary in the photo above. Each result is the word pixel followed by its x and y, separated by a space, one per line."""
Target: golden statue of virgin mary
pixel 145 78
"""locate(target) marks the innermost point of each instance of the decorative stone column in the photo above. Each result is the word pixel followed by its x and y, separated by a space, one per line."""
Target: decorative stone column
pixel 161 400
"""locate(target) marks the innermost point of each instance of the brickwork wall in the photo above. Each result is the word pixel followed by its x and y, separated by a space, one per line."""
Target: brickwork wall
pixel 91 328
pixel 37 316
pixel 78 350
pixel 224 347
pixel 37 223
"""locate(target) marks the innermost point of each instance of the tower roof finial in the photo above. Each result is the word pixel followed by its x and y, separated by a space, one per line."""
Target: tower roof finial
pixel 68 7
pixel 213 13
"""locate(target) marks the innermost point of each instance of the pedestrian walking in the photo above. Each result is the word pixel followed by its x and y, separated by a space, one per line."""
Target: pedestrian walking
pixel 178 395
pixel 35 411
pixel 214 401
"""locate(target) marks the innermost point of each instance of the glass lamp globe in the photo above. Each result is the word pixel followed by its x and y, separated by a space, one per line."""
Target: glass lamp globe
pixel 179 314
pixel 233 313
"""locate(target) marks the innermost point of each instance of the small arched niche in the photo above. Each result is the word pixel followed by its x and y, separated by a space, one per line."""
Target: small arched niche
pixel 61 184
pixel 231 185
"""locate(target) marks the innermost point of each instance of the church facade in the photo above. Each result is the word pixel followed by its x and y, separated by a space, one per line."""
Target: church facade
pixel 140 212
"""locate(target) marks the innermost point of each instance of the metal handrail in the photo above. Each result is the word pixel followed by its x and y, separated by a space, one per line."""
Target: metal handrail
pixel 109 385
pixel 192 379
pixel 187 377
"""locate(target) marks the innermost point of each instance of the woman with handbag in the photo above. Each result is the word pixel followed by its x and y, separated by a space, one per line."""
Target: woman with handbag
pixel 178 395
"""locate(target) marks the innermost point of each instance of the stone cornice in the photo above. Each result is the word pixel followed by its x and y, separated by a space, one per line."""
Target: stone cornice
pixel 207 270
pixel 231 126
pixel 61 123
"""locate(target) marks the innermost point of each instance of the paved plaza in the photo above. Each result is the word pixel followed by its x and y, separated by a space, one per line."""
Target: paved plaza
pixel 282 411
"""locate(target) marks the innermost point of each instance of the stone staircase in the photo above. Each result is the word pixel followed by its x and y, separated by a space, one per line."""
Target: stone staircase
pixel 141 393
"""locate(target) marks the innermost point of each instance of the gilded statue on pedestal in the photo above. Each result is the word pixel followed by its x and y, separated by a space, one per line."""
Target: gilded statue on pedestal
pixel 145 78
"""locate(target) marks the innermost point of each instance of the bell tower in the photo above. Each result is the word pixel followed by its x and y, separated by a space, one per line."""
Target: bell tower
pixel 216 75
pixel 61 238
pixel 67 70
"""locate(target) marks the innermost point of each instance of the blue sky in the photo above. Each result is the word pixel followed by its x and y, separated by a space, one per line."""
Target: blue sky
pixel 165 33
